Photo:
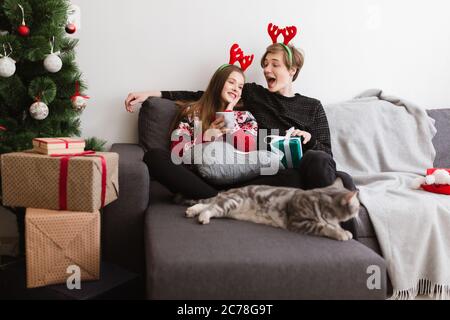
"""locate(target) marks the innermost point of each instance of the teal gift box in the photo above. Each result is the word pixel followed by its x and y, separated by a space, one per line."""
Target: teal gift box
pixel 292 149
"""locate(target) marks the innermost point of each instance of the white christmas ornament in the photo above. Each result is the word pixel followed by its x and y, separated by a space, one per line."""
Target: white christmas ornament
pixel 79 103
pixel 7 67
pixel 53 63
pixel 39 110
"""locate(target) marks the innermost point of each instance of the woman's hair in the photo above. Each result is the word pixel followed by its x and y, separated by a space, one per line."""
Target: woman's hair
pixel 298 57
pixel 210 102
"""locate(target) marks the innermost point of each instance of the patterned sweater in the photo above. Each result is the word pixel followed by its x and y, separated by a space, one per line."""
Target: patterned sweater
pixel 243 134
pixel 274 111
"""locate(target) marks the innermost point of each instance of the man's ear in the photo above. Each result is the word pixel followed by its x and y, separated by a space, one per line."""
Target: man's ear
pixel 292 71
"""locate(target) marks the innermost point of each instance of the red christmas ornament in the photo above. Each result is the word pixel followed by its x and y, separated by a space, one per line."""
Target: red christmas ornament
pixel 23 30
pixel 71 28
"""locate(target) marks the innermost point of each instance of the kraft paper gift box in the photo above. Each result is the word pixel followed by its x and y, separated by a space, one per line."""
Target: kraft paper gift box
pixel 58 145
pixel 76 183
pixel 56 240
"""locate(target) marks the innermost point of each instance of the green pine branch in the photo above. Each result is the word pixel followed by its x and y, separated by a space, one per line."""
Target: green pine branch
pixel 46 20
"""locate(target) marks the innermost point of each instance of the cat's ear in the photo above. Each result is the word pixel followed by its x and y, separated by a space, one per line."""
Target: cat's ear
pixel 338 183
pixel 348 197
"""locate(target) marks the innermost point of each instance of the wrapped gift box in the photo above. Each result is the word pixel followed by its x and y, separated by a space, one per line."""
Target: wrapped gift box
pixel 58 145
pixel 75 183
pixel 292 149
pixel 56 240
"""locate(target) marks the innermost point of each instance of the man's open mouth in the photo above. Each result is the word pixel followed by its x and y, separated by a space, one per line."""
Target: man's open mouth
pixel 271 81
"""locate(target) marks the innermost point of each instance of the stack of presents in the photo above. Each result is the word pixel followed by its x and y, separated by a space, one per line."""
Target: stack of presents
pixel 63 187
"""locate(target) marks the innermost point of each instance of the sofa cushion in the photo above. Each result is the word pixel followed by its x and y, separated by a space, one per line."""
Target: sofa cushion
pixel 440 140
pixel 155 120
pixel 230 259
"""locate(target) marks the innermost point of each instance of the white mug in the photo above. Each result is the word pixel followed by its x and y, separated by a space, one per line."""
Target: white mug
pixel 229 118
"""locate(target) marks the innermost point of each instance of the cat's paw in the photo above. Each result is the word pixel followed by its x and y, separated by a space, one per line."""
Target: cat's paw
pixel 349 235
pixel 343 235
pixel 204 217
pixel 195 210
pixel 191 212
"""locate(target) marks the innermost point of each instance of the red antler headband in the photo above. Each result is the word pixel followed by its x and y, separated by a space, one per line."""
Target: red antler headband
pixel 236 54
pixel 288 34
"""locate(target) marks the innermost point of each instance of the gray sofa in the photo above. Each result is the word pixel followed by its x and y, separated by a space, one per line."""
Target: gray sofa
pixel 228 259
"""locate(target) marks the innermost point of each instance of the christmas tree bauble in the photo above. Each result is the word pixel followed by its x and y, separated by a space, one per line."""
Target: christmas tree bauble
pixel 23 30
pixel 79 103
pixel 71 28
pixel 53 63
pixel 7 67
pixel 39 110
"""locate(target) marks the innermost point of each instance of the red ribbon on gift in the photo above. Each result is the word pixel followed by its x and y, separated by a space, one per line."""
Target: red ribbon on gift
pixel 77 92
pixel 66 142
pixel 64 172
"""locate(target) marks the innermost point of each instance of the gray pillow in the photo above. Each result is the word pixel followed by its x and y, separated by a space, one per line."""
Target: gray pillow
pixel 155 120
pixel 221 164
pixel 441 140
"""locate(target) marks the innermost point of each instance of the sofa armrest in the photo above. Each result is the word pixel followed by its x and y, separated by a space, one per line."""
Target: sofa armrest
pixel 123 219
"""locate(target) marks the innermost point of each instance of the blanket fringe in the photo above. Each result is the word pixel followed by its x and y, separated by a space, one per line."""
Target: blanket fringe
pixel 423 287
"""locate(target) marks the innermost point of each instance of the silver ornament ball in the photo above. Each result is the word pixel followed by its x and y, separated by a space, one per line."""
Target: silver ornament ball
pixel 39 110
pixel 7 67
pixel 79 103
pixel 52 63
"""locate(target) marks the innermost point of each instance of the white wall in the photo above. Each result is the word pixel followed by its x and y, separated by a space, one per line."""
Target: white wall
pixel 400 46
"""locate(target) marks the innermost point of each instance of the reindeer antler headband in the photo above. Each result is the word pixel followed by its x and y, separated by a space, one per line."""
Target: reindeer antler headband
pixel 236 54
pixel 287 32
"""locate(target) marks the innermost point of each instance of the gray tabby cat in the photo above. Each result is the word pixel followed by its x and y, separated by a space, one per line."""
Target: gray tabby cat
pixel 316 211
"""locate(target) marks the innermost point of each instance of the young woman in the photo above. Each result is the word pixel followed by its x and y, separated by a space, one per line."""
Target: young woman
pixel 196 128
pixel 222 94
pixel 275 107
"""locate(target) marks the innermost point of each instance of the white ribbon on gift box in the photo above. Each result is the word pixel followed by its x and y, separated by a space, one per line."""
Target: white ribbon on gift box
pixel 287 149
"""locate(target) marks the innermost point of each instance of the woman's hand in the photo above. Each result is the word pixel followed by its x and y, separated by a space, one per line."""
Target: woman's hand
pixel 233 103
pixel 299 133
pixel 216 129
pixel 134 98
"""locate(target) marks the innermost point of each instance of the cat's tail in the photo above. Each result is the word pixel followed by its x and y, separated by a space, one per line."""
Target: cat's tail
pixel 179 199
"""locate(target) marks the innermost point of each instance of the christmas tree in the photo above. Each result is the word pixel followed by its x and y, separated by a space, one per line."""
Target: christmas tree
pixel 40 83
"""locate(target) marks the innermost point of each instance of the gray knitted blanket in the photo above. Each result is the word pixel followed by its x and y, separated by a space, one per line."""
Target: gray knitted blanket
pixel 385 143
